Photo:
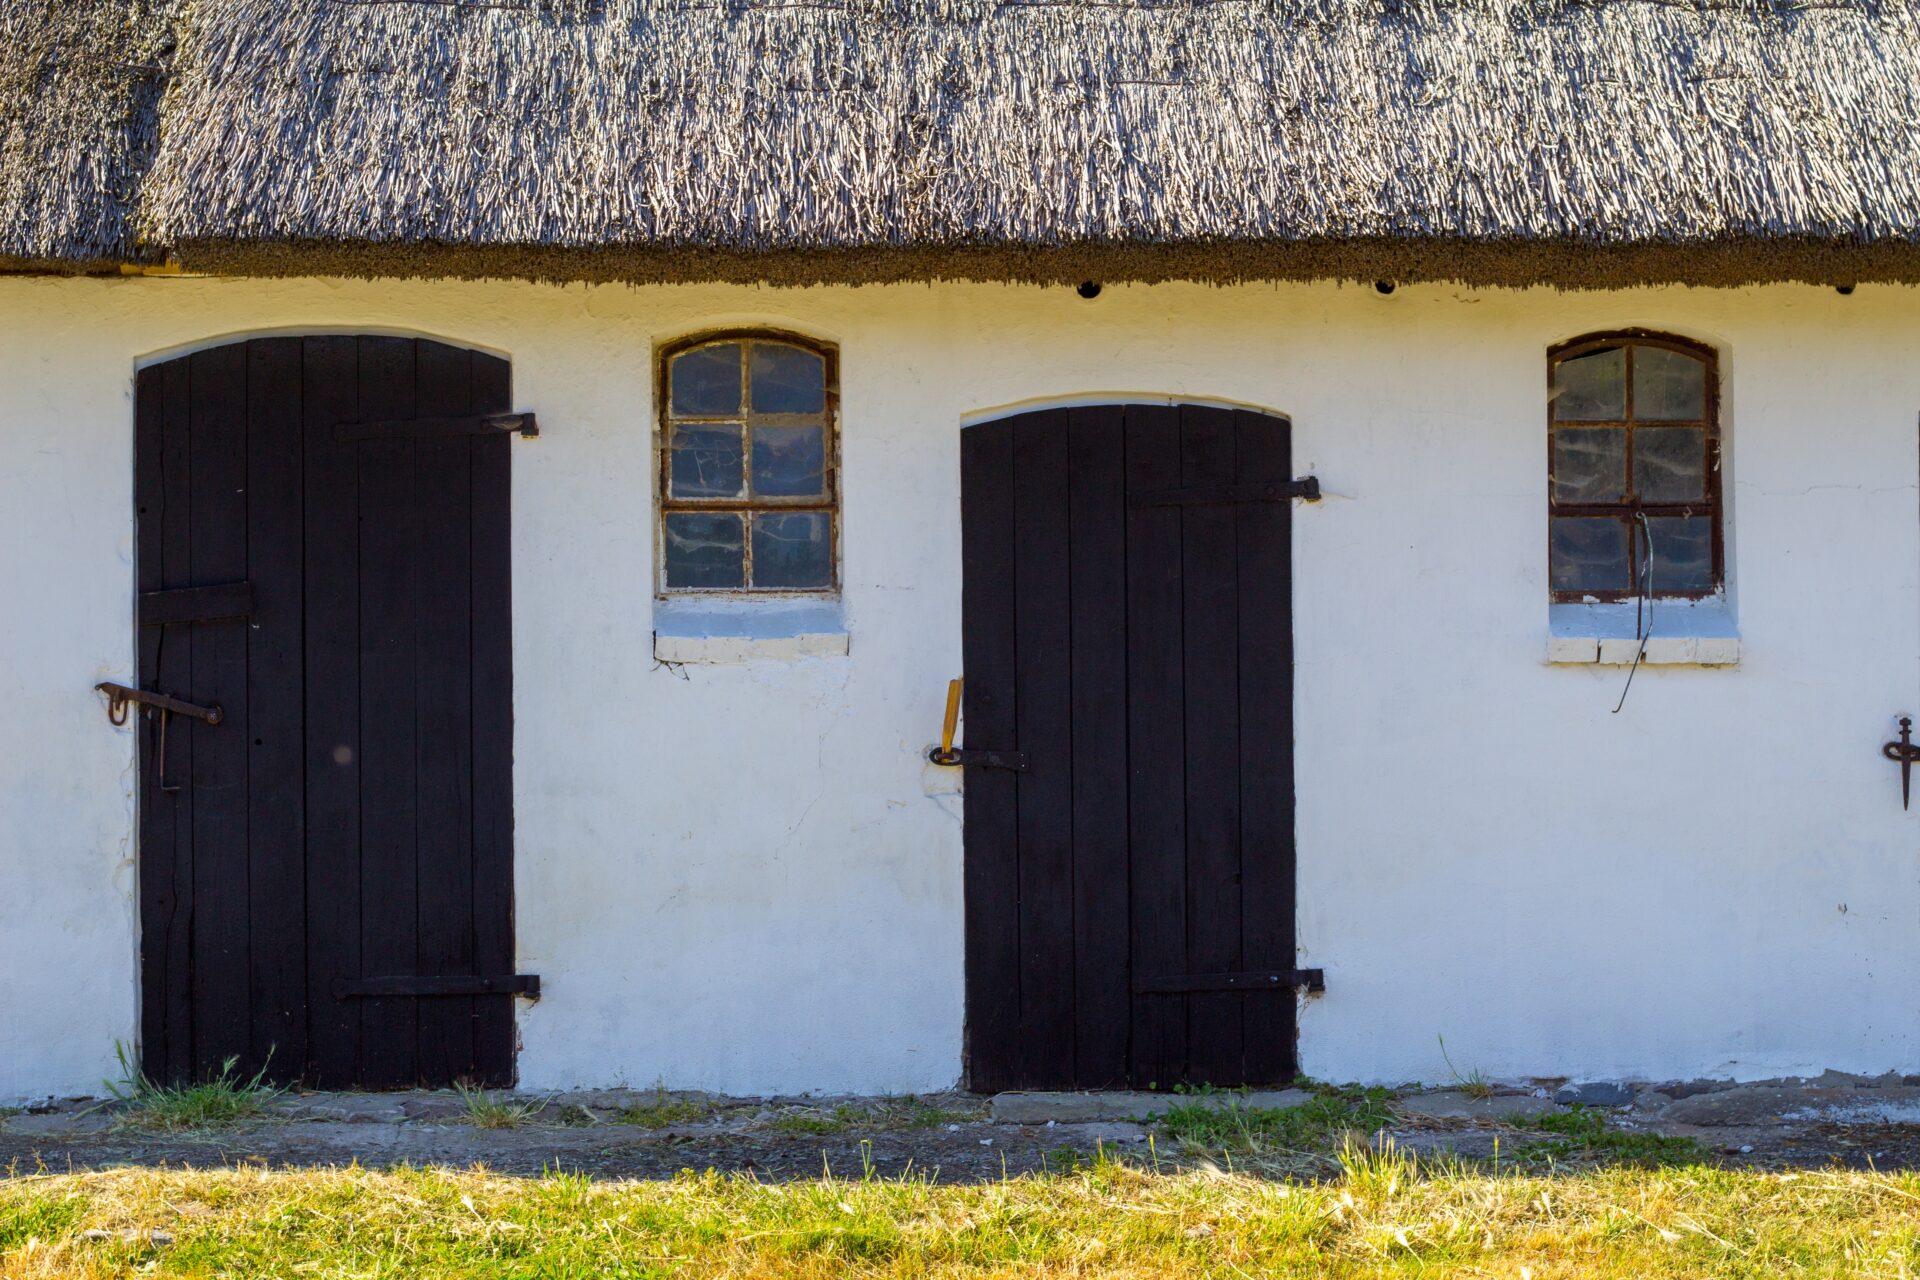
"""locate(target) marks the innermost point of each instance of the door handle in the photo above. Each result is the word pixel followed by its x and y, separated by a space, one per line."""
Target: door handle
pixel 959 757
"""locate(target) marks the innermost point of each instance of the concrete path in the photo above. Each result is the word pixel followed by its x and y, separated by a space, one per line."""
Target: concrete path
pixel 644 1133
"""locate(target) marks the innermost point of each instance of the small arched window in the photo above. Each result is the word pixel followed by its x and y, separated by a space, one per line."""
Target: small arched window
pixel 1633 468
pixel 749 500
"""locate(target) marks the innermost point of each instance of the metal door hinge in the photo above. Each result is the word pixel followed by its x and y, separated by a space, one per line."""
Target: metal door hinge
pixel 479 424
pixel 960 757
pixel 458 984
pixel 220 603
pixel 1307 488
pixel 1311 981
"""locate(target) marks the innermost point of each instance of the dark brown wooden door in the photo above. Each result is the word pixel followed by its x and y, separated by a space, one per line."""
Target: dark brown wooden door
pixel 351 815
pixel 1128 627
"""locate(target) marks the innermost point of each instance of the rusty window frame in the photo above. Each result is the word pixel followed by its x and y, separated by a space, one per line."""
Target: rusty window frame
pixel 1630 509
pixel 746 505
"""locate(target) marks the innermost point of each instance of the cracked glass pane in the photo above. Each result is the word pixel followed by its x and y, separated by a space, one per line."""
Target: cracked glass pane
pixel 706 381
pixel 792 549
pixel 787 380
pixel 1590 464
pixel 1591 387
pixel 705 549
pixel 1588 553
pixel 789 462
pixel 706 461
pixel 1668 386
pixel 1670 463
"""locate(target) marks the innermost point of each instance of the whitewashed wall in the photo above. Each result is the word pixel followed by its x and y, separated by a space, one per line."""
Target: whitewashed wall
pixel 735 878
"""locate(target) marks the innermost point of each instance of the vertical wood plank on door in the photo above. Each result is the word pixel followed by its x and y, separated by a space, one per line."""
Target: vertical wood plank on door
pixel 221 935
pixel 992 859
pixel 444 689
pixel 1267 859
pixel 157 836
pixel 1210 630
pixel 1102 1002
pixel 491 471
pixel 275 728
pixel 330 382
pixel 1156 744
pixel 1043 697
pixel 176 672
pixel 390 608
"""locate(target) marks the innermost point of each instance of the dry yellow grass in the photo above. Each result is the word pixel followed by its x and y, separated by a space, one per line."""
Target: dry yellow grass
pixel 1382 1216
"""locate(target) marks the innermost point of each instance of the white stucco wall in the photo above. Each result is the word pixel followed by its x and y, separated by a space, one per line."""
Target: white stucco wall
pixel 734 878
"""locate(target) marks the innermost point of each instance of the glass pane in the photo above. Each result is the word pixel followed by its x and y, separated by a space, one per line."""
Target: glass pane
pixel 707 461
pixel 787 380
pixel 1589 553
pixel 1591 387
pixel 792 549
pixel 1670 463
pixel 706 381
pixel 1590 464
pixel 1682 554
pixel 789 462
pixel 1668 385
pixel 705 549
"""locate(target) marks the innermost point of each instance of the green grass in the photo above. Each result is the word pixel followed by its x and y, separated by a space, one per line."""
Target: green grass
pixel 665 1111
pixel 907 1112
pixel 1581 1133
pixel 220 1101
pixel 1379 1213
pixel 491 1111
pixel 1235 1129
pixel 818 1121
pixel 1474 1084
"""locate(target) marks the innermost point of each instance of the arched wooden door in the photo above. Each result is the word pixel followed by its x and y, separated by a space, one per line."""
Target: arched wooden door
pixel 1128 633
pixel 326 875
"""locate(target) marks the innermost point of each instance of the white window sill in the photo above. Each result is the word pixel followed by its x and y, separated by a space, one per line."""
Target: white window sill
pixel 706 630
pixel 1697 633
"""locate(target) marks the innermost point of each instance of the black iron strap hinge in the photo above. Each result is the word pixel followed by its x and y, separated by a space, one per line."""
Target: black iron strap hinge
pixel 967 758
pixel 1210 495
pixel 460 984
pixel 1310 981
pixel 479 424
pixel 219 603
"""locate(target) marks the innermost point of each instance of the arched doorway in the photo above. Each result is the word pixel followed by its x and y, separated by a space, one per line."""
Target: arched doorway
pixel 326 874
pixel 1129 653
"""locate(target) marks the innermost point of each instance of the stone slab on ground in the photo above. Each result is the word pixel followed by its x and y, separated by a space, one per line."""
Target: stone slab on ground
pixel 1595 1093
pixel 52 1122
pixel 1081 1108
pixel 1763 1105
pixel 1452 1104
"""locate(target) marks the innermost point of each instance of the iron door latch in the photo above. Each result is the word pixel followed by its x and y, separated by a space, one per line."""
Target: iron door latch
pixel 960 757
pixel 120 697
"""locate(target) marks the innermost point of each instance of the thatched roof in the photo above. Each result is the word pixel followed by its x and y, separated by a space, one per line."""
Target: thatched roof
pixel 1501 141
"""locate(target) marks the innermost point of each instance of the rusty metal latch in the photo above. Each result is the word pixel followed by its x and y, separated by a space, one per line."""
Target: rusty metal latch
pixel 1905 754
pixel 161 707
pixel 948 754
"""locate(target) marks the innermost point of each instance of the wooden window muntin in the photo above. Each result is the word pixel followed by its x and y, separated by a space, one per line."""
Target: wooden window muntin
pixel 1629 510
pixel 746 504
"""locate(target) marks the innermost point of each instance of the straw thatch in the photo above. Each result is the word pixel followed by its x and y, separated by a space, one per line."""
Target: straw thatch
pixel 1494 141
pixel 80 84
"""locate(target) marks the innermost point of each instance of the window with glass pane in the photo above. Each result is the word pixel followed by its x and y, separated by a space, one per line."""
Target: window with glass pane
pixel 1633 468
pixel 748 495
